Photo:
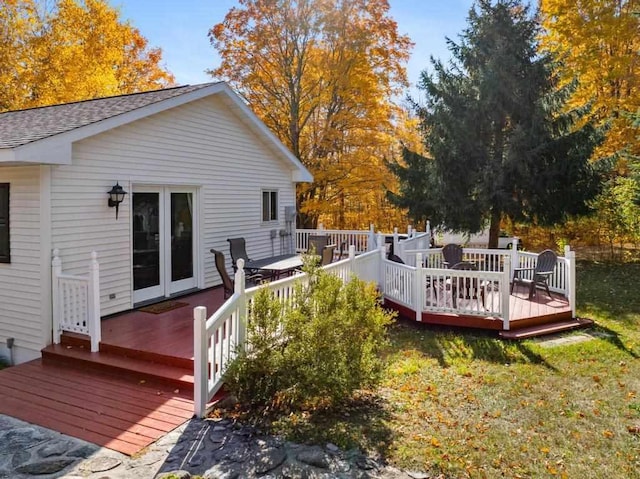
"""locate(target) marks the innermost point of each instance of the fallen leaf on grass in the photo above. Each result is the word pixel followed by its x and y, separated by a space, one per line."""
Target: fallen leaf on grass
pixel 608 434
pixel 635 429
pixel 435 442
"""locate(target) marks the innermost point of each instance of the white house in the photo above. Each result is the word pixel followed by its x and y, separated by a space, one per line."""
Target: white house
pixel 198 167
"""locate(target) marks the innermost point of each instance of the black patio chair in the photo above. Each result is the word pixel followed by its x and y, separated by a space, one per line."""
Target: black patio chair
pixel 466 288
pixel 238 250
pixel 327 255
pixel 227 282
pixel 452 254
pixel 395 258
pixel 537 277
pixel 317 244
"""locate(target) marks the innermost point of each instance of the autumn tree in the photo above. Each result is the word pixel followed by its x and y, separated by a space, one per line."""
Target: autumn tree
pixel 321 74
pixel 73 50
pixel 598 43
pixel 498 143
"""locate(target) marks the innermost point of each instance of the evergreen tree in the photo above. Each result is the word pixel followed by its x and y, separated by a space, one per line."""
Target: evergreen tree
pixel 499 143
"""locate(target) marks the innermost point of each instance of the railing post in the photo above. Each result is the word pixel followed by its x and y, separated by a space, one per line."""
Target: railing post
pixel 419 287
pixel 239 288
pixel 371 239
pixel 94 325
pixel 382 250
pixel 56 270
pixel 571 278
pixel 515 261
pixel 505 292
pixel 320 226
pixel 396 244
pixel 200 367
pixel 351 262
pixel 409 231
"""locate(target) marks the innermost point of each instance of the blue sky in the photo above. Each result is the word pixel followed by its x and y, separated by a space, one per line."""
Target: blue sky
pixel 180 28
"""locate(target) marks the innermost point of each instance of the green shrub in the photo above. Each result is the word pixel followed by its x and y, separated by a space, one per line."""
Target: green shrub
pixel 316 351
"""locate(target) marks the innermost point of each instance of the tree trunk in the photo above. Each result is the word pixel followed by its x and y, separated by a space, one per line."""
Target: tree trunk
pixel 494 229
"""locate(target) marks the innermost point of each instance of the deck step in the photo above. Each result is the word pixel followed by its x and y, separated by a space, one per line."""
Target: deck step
pixel 548 328
pixel 83 341
pixel 139 369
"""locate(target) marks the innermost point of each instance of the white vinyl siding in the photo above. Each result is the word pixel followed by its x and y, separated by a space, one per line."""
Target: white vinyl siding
pixel 21 288
pixel 200 144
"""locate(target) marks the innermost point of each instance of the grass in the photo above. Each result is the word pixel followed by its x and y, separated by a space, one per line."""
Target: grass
pixel 460 403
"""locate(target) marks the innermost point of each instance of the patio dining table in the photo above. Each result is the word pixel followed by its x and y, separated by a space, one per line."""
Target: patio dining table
pixel 276 265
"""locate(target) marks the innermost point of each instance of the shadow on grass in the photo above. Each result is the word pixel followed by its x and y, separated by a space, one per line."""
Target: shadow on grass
pixel 613 338
pixel 448 345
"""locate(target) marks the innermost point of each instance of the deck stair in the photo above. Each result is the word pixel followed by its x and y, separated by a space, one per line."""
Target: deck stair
pixel 74 350
pixel 546 328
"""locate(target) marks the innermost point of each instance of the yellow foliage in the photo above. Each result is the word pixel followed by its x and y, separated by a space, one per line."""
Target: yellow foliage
pixel 321 75
pixel 598 42
pixel 77 50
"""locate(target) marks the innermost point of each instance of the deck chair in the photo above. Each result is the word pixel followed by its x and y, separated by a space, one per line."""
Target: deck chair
pixel 327 255
pixel 466 288
pixel 238 250
pixel 317 244
pixel 227 282
pixel 395 258
pixel 537 277
pixel 452 254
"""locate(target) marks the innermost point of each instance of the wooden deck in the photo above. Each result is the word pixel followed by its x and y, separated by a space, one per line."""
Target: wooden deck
pixel 117 412
pixel 524 313
pixel 125 397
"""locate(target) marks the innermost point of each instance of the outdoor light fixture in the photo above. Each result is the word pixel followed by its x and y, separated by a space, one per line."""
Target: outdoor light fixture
pixel 116 196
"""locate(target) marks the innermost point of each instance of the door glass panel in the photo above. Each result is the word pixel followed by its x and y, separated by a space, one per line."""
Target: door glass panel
pixel 146 240
pixel 181 236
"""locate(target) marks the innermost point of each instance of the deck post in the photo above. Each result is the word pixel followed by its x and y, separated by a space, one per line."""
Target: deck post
pixel 396 244
pixel 515 261
pixel 505 292
pixel 382 250
pixel 93 313
pixel 571 280
pixel 239 289
pixel 56 270
pixel 371 239
pixel 419 287
pixel 200 366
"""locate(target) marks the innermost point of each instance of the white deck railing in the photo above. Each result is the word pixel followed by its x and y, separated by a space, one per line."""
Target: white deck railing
pixel 362 240
pixel 76 301
pixel 217 338
pixel 424 287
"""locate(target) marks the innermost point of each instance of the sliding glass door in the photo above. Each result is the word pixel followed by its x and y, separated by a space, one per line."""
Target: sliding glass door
pixel 164 260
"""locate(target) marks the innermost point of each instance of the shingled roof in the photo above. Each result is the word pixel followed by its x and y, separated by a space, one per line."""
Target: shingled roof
pixel 21 127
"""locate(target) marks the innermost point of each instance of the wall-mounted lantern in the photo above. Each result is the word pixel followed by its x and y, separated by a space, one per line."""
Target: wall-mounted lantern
pixel 116 196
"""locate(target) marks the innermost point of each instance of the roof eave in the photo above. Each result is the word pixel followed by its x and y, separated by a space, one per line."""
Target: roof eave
pixel 34 154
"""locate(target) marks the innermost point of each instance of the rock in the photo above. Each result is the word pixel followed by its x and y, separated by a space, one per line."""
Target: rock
pixel 365 463
pixel 20 457
pixel 417 475
pixel 179 474
pixel 332 447
pixel 22 437
pixel 57 448
pixel 219 429
pixel 102 464
pixel 314 457
pixel 268 459
pixel 48 466
pixel 222 471
pixel 83 451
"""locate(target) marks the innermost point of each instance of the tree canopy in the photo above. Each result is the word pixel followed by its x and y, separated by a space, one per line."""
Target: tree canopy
pixel 74 50
pixel 499 144
pixel 322 74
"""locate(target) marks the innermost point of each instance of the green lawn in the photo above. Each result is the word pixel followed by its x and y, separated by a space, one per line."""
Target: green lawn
pixel 465 404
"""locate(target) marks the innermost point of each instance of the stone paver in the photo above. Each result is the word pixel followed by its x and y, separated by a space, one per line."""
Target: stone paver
pixel 213 449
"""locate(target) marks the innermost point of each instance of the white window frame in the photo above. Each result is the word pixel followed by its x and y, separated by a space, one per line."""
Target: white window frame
pixel 273 211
